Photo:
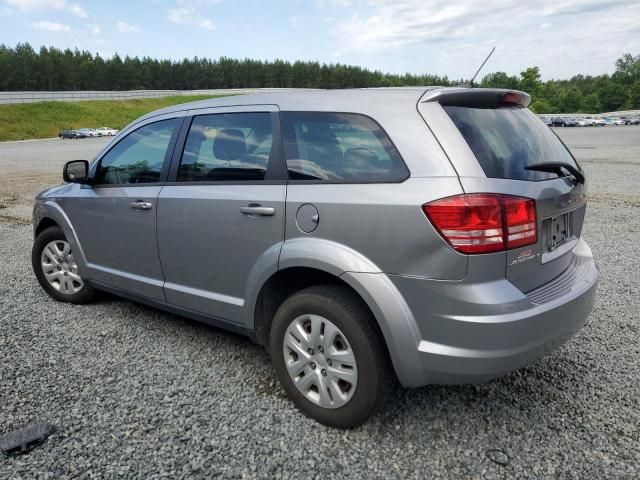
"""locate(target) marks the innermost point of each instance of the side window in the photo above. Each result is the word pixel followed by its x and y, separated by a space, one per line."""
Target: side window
pixel 227 146
pixel 339 147
pixel 139 157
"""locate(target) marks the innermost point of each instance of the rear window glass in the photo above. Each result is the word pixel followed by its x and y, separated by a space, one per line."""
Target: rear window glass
pixel 339 147
pixel 506 140
pixel 227 147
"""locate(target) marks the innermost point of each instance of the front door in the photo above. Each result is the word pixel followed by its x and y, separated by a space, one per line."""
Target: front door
pixel 115 219
pixel 222 214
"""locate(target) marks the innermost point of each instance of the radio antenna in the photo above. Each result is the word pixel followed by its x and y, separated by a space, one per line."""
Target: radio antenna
pixel 470 84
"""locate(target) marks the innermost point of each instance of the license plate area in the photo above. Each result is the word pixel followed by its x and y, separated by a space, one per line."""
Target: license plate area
pixel 557 230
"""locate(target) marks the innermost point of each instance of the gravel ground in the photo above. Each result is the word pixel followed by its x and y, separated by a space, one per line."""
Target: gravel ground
pixel 136 392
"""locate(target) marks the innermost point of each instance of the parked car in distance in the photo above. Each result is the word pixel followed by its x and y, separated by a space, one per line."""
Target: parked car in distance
pixel 581 122
pixel 599 122
pixel 559 122
pixel 106 131
pixel 618 121
pixel 570 122
pixel 428 235
pixel 545 119
pixel 630 120
pixel 71 134
pixel 591 121
pixel 89 132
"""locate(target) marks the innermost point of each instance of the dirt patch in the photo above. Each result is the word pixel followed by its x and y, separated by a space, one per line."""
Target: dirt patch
pixel 14 219
pixel 269 386
pixel 616 199
pixel 7 201
pixel 17 195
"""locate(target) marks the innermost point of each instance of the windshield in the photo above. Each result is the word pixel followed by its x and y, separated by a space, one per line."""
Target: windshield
pixel 507 140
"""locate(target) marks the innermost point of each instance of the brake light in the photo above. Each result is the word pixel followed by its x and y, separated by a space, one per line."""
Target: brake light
pixel 484 222
pixel 512 98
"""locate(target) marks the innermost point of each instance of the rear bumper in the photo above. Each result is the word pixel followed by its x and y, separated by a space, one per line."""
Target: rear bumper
pixel 472 332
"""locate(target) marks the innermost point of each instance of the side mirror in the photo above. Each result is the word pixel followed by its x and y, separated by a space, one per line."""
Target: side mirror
pixel 76 171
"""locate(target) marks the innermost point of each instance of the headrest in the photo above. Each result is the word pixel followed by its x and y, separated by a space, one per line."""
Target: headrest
pixel 229 144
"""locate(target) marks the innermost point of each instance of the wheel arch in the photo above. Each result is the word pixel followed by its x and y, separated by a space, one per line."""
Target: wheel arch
pixel 49 214
pixel 391 316
pixel 43 224
pixel 280 286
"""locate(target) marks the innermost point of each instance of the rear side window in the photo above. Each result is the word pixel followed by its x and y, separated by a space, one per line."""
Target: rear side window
pixel 506 140
pixel 227 147
pixel 339 148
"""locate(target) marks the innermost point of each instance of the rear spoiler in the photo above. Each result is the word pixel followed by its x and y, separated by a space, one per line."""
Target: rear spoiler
pixel 476 97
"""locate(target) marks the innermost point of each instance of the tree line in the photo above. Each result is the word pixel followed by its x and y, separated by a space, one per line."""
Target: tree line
pixel 24 69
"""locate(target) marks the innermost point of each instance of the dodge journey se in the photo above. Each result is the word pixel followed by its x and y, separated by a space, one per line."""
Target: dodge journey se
pixel 419 235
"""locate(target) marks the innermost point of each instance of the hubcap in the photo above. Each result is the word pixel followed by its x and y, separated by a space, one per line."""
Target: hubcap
pixel 59 267
pixel 320 361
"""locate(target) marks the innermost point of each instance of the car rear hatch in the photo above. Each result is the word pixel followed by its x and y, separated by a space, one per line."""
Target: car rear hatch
pixel 499 147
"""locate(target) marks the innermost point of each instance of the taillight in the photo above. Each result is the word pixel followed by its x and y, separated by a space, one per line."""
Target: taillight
pixel 484 222
pixel 520 221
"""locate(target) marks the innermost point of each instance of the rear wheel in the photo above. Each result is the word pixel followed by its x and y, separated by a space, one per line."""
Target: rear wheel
pixel 56 268
pixel 328 356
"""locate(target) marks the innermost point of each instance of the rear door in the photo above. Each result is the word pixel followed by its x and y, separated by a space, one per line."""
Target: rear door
pixel 223 210
pixel 491 147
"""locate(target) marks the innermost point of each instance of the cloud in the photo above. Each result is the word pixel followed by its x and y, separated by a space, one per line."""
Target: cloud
pixel 187 15
pixel 443 37
pixel 181 15
pixel 206 24
pixel 51 26
pixel 403 22
pixel 334 3
pixel 37 4
pixel 40 5
pixel 94 29
pixel 77 10
pixel 408 22
pixel 576 7
pixel 124 27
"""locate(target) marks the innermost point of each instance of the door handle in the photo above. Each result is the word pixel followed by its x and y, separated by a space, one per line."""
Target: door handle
pixel 140 205
pixel 256 209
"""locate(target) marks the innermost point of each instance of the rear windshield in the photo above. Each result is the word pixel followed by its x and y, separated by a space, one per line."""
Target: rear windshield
pixel 506 140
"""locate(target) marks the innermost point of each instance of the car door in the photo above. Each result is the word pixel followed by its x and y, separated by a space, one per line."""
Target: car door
pixel 222 214
pixel 115 217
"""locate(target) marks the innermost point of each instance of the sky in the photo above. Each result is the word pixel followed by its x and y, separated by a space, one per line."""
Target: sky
pixel 443 37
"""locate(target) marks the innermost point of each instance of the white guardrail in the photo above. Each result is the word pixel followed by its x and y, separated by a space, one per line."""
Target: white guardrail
pixel 77 96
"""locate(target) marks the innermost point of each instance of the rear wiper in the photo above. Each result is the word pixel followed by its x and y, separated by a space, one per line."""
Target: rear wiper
pixel 556 167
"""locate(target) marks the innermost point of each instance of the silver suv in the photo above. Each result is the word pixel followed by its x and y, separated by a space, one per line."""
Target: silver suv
pixel 428 235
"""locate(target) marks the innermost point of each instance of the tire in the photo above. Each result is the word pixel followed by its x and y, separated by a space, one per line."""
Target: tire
pixel 70 287
pixel 338 307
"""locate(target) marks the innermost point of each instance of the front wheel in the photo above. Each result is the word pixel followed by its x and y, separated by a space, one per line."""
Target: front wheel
pixel 328 356
pixel 56 269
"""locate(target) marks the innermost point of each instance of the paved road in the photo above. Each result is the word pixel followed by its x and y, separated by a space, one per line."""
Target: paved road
pixel 30 166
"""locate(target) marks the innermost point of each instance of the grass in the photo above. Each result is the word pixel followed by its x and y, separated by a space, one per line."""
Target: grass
pixel 26 121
